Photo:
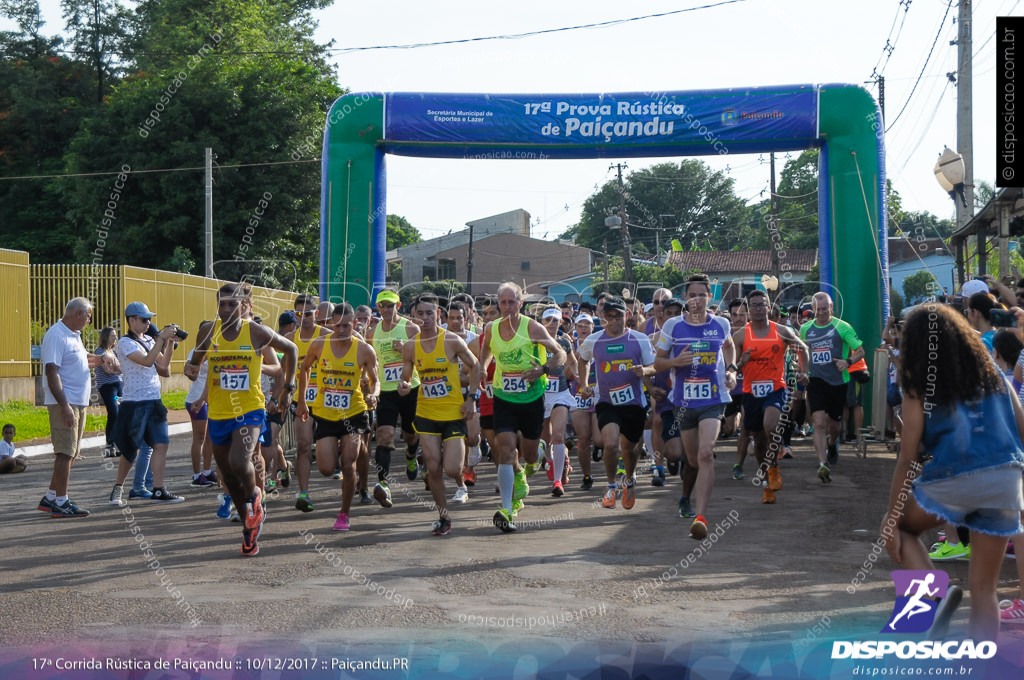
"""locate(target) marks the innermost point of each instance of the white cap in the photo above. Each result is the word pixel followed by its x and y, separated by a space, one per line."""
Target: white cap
pixel 551 313
pixel 648 307
pixel 973 287
pixel 585 317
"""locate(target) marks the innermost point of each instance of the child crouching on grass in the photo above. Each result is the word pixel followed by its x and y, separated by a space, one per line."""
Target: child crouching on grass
pixel 10 460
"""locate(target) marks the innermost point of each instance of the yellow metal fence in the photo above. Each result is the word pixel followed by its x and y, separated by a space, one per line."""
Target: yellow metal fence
pixel 182 299
pixel 15 340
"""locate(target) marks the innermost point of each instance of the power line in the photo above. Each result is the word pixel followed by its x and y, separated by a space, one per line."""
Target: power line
pixel 934 42
pixel 409 46
pixel 143 172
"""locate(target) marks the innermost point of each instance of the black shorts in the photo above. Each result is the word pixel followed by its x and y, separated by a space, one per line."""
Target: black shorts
pixel 669 426
pixel 390 405
pixel 854 394
pixel 357 424
pixel 822 396
pixel 277 418
pixel 445 429
pixel 733 407
pixel 630 418
pixel 487 422
pixel 754 408
pixel 528 418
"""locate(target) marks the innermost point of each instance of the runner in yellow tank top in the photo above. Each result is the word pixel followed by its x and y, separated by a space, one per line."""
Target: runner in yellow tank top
pixel 233 347
pixel 441 411
pixel 511 417
pixel 303 337
pixel 387 337
pixel 341 412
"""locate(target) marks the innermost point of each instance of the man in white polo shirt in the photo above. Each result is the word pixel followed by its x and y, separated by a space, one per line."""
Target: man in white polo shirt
pixel 66 388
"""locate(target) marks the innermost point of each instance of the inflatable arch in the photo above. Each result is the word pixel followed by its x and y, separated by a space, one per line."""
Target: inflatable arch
pixel 843 120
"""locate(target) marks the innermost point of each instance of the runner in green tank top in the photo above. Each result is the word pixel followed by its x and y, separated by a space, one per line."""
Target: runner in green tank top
pixel 387 338
pixel 518 346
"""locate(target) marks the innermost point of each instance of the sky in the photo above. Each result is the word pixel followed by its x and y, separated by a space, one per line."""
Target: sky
pixel 740 44
pixel 747 43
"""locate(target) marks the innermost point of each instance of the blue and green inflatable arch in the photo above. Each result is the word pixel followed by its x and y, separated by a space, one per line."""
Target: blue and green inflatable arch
pixel 843 120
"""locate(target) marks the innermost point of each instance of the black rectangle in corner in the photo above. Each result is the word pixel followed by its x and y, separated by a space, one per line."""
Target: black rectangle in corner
pixel 1009 101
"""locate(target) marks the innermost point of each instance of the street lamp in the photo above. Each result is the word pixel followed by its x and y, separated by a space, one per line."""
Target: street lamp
pixel 613 222
pixel 950 172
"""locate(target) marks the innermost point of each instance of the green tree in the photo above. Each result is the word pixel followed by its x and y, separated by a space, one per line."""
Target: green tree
pixel 687 201
pixel 43 99
pixel 919 285
pixel 401 233
pixel 264 102
pixel 99 30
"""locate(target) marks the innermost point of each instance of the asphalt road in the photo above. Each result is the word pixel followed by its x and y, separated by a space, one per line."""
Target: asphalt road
pixel 574 572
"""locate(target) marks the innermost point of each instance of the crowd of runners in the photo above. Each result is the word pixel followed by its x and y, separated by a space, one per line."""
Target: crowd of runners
pixel 491 385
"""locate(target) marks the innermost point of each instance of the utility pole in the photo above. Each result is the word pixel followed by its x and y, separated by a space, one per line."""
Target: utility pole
pixel 881 99
pixel 209 213
pixel 773 224
pixel 627 254
pixel 606 264
pixel 964 135
pixel 657 239
pixel 469 263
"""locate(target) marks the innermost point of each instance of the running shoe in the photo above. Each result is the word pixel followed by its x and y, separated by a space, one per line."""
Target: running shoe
pixel 1014 613
pixel 235 517
pixel 609 498
pixel 673 468
pixel 774 479
pixel 337 474
pixel 341 524
pixel 550 469
pixel 517 506
pixel 284 477
pixel 824 473
pixel 621 470
pixel 699 528
pixel 629 495
pixel 597 455
pixel 685 511
pixel 469 475
pixel 271 486
pixel 109 451
pixel 832 454
pixel 68 511
pixel 658 476
pixel 769 495
pixel 200 481
pixel 521 488
pixel 557 490
pixel 737 472
pixel 383 494
pixel 588 483
pixel 144 494
pixel 503 520
pixel 249 545
pixel 787 452
pixel 213 477
pixel 461 495
pixel 254 512
pixel 115 496
pixel 950 551
pixel 441 527
pixel 224 509
pixel 566 471
pixel 364 497
pixel 45 505
pixel 303 502
pixel 1011 554
pixel 162 495
pixel 530 469
pixel 411 469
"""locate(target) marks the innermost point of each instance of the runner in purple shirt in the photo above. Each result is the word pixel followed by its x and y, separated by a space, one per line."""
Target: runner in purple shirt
pixel 624 366
pixel 698 348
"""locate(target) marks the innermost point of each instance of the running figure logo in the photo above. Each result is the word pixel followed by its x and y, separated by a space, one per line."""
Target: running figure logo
pixel 914 611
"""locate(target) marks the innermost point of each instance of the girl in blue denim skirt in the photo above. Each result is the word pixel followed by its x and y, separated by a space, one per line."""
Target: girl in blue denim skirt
pixel 960 457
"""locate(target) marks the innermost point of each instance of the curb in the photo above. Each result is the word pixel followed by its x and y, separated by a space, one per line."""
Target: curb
pixel 95 442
